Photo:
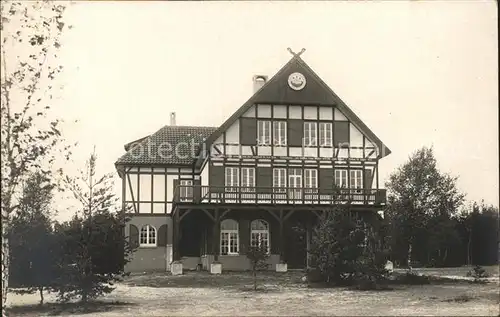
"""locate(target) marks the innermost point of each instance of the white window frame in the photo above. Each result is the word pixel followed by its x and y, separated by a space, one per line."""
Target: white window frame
pixel 311 180
pixel 279 133
pixel 151 238
pixel 232 179
pixel 263 132
pixel 325 134
pixel 356 179
pixel 295 192
pixel 186 193
pixel 248 179
pixel 279 179
pixel 232 235
pixel 262 234
pixel 341 178
pixel 310 134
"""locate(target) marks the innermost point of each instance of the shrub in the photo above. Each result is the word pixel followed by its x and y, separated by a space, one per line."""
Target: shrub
pixel 344 252
pixel 478 273
pixel 258 256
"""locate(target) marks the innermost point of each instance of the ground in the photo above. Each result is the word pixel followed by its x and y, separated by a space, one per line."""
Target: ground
pixel 198 293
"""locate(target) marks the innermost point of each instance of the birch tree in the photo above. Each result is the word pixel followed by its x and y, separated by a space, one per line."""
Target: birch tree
pixel 30 38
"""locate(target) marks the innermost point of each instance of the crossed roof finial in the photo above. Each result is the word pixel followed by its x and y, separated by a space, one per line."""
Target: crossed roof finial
pixel 296 54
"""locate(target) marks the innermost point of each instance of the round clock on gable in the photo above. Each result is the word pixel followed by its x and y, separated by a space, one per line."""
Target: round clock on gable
pixel 296 81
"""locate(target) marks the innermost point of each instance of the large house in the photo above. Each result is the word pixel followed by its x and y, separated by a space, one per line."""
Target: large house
pixel 199 197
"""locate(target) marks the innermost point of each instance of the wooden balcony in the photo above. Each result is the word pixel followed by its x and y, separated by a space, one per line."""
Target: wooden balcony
pixel 196 194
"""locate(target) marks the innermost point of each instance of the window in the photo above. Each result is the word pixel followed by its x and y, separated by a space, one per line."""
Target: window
pixel 295 184
pixel 279 130
pixel 229 238
pixel 148 236
pixel 248 179
pixel 325 134
pixel 356 179
pixel 310 134
pixel 259 234
pixel 186 189
pixel 232 179
pixel 279 179
pixel 264 132
pixel 341 178
pixel 310 180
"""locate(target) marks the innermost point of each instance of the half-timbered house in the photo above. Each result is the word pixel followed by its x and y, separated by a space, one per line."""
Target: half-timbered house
pixel 199 197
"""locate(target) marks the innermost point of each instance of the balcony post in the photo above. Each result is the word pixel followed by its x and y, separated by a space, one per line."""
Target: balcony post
pixel 282 238
pixel 176 235
pixel 216 236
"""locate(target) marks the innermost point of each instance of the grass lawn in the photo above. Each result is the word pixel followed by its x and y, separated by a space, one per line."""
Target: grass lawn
pixel 230 294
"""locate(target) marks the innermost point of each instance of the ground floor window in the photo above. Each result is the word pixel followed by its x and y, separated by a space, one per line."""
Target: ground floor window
pixel 229 237
pixel 259 234
pixel 148 236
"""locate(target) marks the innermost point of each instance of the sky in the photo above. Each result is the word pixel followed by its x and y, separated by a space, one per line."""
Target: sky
pixel 418 73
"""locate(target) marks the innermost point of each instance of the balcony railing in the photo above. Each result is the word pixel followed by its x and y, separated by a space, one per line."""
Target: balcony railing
pixel 198 194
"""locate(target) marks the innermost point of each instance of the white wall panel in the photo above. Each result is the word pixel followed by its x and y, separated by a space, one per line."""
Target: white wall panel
pixel 339 116
pixel 295 151
pixel 325 113
pixel 279 111
pixel 310 113
pixel 250 112
pixel 279 151
pixel 264 111
pixel 233 133
pixel 355 135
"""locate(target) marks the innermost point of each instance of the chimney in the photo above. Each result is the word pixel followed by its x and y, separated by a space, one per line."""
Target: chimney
pixel 258 82
pixel 172 118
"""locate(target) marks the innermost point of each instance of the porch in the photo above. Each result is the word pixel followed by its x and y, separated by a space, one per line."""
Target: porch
pixel 201 236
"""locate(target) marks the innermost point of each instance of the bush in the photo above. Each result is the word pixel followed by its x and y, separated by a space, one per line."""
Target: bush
pixel 258 256
pixel 344 252
pixel 412 278
pixel 478 273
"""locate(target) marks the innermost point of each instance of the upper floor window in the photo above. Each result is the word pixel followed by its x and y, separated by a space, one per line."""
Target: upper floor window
pixel 148 236
pixel 186 189
pixel 341 178
pixel 229 237
pixel 279 179
pixel 356 179
pixel 279 130
pixel 259 234
pixel 311 178
pixel 310 134
pixel 264 132
pixel 232 178
pixel 325 134
pixel 248 178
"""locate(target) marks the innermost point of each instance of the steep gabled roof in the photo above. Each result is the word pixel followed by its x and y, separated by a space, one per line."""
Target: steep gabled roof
pixel 316 92
pixel 171 145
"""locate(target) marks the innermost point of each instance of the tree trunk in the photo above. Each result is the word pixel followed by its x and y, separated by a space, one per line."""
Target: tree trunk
pixel 5 265
pixel 40 289
pixel 254 278
pixel 409 256
pixel 469 262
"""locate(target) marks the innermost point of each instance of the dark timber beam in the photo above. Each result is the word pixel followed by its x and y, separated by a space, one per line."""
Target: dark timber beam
pixel 176 236
pixel 216 236
pixel 184 215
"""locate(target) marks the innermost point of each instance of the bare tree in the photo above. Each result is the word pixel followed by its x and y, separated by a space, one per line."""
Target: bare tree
pixel 30 40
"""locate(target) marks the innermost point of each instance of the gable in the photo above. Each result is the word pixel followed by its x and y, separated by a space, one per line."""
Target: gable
pixel 315 92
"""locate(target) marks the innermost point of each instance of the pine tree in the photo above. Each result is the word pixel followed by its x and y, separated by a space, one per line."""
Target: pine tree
pixel 93 247
pixel 32 253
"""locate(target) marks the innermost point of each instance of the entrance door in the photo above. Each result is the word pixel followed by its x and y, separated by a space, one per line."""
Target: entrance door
pixel 295 184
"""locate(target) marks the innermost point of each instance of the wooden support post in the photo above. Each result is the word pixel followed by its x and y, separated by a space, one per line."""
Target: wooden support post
pixel 216 236
pixel 176 235
pixel 282 237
